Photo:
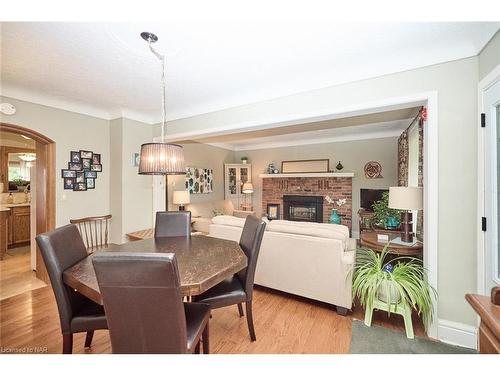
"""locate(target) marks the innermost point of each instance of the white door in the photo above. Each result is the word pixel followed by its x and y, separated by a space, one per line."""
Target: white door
pixel 491 109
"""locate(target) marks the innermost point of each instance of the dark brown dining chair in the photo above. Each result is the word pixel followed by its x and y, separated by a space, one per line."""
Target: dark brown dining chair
pixel 94 231
pixel 173 224
pixel 143 302
pixel 239 288
pixel 61 248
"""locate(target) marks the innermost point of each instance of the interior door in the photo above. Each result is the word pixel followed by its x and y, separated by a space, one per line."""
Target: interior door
pixel 491 109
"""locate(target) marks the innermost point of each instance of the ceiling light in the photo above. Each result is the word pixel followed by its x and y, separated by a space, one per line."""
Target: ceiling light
pixel 27 157
pixel 160 157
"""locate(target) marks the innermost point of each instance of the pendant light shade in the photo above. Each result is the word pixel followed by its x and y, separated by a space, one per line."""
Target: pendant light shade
pixel 161 159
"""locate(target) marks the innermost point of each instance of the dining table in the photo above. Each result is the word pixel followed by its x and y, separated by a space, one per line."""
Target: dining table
pixel 203 262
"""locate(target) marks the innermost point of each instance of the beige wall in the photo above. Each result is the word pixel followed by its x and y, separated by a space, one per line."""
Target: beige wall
pixel 456 86
pixel 203 156
pixel 353 155
pixel 130 194
pixel 70 131
pixel 489 57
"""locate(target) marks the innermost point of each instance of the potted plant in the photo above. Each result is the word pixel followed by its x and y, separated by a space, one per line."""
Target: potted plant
pixel 20 184
pixel 400 281
pixel 244 159
pixel 384 216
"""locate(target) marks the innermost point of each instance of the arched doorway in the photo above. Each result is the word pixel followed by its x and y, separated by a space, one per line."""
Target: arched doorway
pixel 45 194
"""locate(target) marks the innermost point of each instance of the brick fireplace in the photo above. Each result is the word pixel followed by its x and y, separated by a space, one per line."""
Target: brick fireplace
pixel 274 188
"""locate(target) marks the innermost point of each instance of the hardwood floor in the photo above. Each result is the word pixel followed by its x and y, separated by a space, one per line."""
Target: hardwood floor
pixel 16 275
pixel 283 323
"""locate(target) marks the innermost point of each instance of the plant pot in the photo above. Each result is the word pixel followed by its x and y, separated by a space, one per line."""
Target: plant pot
pixel 335 218
pixel 244 161
pixel 393 296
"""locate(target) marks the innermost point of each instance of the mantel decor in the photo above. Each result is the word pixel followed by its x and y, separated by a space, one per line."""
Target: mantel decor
pixel 82 170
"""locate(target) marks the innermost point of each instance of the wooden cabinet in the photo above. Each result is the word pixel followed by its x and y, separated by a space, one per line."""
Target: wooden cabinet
pixel 235 175
pixel 19 225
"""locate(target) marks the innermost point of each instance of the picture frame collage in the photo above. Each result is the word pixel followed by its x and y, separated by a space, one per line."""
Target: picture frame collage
pixel 82 170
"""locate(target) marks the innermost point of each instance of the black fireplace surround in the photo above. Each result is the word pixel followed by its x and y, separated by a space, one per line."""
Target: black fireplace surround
pixel 303 208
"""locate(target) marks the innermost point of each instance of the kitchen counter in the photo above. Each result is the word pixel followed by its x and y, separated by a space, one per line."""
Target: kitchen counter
pixel 8 205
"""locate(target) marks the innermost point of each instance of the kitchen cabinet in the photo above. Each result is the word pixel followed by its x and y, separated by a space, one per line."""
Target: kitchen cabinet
pixel 19 225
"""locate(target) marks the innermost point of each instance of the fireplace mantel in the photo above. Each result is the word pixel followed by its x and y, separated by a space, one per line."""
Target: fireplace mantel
pixel 315 175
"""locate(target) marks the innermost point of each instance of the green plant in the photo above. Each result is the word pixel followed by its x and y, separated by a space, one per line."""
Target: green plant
pixel 20 182
pixel 383 212
pixel 405 274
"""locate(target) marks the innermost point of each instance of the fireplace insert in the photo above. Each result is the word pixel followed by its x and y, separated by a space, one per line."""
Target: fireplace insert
pixel 303 208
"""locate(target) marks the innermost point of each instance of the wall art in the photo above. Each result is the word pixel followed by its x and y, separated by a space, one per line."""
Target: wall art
pixel 199 180
pixel 81 174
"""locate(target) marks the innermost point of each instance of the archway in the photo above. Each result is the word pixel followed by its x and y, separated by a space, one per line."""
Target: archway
pixel 45 194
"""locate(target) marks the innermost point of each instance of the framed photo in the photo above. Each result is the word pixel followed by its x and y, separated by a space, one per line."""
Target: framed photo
pixel 69 183
pixel 86 163
pixel 74 166
pixel 96 159
pixel 75 157
pixel 305 166
pixel 80 177
pixel 135 159
pixel 66 173
pixel 90 183
pixel 86 154
pixel 96 167
pixel 90 174
pixel 80 186
pixel 273 211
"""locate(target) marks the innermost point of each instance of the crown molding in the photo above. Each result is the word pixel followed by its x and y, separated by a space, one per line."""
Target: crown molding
pixel 10 91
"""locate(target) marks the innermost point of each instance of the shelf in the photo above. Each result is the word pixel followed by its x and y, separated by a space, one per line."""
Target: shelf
pixel 324 174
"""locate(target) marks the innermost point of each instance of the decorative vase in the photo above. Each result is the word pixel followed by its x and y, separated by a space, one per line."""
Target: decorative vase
pixel 391 223
pixel 244 161
pixel 334 217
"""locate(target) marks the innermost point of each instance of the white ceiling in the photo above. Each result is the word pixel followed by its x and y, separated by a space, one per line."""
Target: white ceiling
pixel 370 126
pixel 106 70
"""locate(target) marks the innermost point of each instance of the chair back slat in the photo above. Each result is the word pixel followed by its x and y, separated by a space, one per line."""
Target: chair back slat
pixel 91 230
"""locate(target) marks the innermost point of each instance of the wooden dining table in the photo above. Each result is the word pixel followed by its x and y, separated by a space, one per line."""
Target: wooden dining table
pixel 203 262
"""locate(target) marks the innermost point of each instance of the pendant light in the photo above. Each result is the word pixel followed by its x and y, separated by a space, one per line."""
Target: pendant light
pixel 160 158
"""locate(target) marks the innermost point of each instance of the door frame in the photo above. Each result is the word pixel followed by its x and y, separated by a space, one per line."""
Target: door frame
pixel 431 160
pixel 45 189
pixel 488 81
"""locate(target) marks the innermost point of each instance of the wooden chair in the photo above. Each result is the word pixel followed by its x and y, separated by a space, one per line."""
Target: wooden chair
pixel 94 231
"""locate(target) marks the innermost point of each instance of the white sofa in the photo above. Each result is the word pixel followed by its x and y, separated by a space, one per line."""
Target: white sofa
pixel 312 260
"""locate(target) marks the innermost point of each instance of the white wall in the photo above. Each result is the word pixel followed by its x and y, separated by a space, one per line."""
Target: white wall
pixel 70 131
pixel 456 86
pixel 489 57
pixel 353 155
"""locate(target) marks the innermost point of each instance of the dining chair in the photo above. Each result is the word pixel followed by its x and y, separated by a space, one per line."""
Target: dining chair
pixel 94 230
pixel 173 224
pixel 143 303
pixel 60 249
pixel 239 288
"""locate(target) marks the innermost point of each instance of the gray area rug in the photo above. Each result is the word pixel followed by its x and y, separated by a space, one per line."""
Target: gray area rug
pixel 379 340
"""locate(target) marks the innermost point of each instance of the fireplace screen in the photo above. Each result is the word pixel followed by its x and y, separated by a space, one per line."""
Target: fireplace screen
pixel 303 213
pixel 303 208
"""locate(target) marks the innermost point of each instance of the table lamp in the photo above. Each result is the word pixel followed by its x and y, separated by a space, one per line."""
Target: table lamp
pixel 408 199
pixel 247 189
pixel 181 197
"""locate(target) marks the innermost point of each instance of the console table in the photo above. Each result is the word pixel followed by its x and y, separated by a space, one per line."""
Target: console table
pixel 369 239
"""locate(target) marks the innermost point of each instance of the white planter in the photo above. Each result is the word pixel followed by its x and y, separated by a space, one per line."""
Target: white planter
pixel 394 295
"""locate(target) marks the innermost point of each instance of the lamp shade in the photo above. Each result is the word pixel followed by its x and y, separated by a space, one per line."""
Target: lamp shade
pixel 161 158
pixel 247 188
pixel 405 198
pixel 181 197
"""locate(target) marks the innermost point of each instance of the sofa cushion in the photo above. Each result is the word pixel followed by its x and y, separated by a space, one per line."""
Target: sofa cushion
pixel 310 229
pixel 231 221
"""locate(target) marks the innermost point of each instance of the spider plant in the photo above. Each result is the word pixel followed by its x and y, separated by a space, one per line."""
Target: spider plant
pixel 404 275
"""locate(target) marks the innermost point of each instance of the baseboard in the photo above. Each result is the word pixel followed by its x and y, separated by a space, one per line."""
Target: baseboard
pixel 457 333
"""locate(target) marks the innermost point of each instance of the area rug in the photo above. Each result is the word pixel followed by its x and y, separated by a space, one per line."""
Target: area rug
pixel 379 340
